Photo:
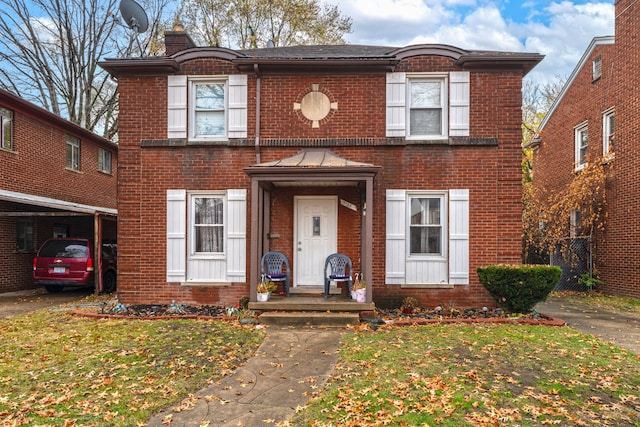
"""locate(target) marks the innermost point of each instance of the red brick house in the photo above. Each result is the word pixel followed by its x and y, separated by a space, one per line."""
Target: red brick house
pixel 405 159
pixel 596 118
pixel 58 180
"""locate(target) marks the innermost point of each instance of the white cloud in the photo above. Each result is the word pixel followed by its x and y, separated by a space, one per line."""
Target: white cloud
pixel 560 30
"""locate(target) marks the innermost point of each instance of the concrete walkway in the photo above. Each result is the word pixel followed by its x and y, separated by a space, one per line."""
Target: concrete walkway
pixel 287 368
pixel 620 329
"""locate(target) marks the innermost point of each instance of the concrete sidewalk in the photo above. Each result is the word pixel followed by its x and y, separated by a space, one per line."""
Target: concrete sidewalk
pixel 287 368
pixel 621 329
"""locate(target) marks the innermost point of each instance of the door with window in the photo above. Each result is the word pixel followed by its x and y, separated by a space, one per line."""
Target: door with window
pixel 316 236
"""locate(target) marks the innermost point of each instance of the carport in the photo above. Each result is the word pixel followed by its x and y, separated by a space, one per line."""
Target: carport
pixel 21 205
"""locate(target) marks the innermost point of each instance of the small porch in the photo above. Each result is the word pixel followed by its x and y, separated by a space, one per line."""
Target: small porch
pixel 311 175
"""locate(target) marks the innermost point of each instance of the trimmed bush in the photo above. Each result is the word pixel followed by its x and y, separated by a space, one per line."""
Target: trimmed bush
pixel 519 287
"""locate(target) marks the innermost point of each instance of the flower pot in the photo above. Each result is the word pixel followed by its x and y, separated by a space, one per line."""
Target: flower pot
pixel 353 295
pixel 361 295
pixel 263 297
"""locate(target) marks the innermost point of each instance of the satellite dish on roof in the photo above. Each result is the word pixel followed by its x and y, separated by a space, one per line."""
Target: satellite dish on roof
pixel 134 15
pixel 136 19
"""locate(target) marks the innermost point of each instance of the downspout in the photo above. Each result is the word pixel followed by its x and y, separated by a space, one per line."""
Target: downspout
pixel 258 87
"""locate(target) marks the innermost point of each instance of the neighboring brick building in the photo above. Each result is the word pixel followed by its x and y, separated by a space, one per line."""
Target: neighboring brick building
pixel 405 159
pixel 597 118
pixel 58 179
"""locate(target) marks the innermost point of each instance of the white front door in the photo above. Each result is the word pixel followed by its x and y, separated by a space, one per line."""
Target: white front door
pixel 316 237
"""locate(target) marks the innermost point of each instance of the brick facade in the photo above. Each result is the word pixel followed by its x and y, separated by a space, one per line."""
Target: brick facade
pixel 617 247
pixel 35 167
pixel 487 163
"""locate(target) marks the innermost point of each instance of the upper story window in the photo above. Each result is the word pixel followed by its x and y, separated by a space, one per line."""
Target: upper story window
pixel 208 114
pixel 205 108
pixel 608 132
pixel 73 153
pixel 427 107
pixel 6 128
pixel 426 225
pixel 208 224
pixel 581 145
pixel 104 160
pixel 596 68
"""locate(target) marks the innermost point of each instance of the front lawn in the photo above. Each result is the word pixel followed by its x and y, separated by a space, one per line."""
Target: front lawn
pixel 457 375
pixel 61 370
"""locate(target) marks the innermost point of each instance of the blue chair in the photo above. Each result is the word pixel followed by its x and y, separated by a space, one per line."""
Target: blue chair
pixel 337 268
pixel 272 269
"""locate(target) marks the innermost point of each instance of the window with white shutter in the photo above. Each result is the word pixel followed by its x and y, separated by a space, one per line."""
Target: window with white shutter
pixel 207 107
pixel 209 244
pixel 427 238
pixel 427 105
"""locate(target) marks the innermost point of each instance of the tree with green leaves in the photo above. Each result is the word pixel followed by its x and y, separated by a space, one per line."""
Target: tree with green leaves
pixel 247 24
pixel 49 53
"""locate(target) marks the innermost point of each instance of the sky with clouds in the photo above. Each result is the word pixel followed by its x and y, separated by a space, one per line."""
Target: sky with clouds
pixel 560 30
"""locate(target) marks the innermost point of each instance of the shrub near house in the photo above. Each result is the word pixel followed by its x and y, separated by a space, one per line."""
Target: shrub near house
pixel 519 287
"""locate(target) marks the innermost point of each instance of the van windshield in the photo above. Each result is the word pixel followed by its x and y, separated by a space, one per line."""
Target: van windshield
pixel 64 249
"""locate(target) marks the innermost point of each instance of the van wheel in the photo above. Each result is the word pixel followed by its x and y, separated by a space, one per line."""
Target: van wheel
pixel 109 282
pixel 53 289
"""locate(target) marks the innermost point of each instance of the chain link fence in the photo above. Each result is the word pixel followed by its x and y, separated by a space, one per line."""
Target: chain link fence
pixel 573 256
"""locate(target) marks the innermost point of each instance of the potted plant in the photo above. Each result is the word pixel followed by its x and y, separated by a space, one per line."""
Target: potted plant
pixel 360 289
pixel 409 304
pixel 264 290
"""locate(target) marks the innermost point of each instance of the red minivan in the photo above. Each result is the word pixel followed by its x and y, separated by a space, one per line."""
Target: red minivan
pixel 70 262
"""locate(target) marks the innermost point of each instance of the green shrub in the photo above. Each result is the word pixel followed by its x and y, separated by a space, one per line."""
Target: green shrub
pixel 519 287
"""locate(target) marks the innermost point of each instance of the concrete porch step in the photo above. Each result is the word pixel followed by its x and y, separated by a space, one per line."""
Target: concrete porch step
pixel 279 318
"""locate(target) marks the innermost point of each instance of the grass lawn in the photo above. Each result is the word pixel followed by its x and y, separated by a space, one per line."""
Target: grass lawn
pixel 61 370
pixel 459 375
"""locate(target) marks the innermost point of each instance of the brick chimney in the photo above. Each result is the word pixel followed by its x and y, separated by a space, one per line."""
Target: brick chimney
pixel 175 41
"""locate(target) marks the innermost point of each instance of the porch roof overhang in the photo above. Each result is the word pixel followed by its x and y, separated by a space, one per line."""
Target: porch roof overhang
pixel 61 205
pixel 311 165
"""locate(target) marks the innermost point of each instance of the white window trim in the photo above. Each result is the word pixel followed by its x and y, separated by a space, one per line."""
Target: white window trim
pixel 212 269
pixel 444 96
pixel 606 132
pixel 192 227
pixel 577 131
pixel 6 118
pixel 102 154
pixel 74 142
pixel 196 80
pixel 399 268
pixel 444 233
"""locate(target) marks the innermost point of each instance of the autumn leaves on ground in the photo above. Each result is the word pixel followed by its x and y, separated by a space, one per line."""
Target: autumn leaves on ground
pixel 57 369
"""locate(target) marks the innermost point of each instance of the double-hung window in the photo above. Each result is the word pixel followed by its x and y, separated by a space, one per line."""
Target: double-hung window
pixel 208 224
pixel 427 238
pixel 427 107
pixel 206 236
pixel 581 145
pixel 104 160
pixel 207 108
pixel 426 226
pixel 6 127
pixel 608 132
pixel 209 113
pixel 73 153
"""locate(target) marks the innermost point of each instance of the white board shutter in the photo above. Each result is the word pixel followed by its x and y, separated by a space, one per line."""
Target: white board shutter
pixel 459 101
pixel 176 106
pixel 395 237
pixel 459 237
pixel 237 235
pixel 176 235
pixel 237 106
pixel 396 103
